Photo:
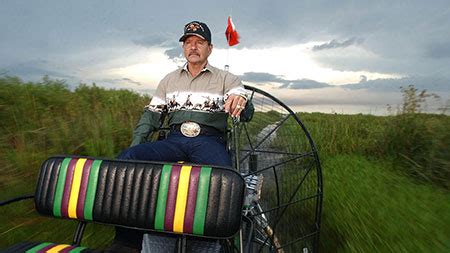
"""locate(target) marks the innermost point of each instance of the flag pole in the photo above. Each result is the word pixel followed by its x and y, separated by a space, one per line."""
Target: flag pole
pixel 232 39
pixel 227 65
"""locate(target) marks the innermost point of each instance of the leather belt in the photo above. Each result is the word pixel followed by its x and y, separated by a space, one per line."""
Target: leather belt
pixel 204 130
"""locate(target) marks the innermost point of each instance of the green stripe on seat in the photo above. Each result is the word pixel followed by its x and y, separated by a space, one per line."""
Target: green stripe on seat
pixel 202 201
pixel 77 249
pixel 60 187
pixel 162 196
pixel 39 246
pixel 91 190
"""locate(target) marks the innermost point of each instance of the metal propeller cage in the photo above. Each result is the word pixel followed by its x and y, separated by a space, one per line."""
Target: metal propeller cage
pixel 277 156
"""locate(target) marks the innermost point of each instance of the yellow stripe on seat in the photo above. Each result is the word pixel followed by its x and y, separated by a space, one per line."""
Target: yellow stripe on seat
pixel 180 207
pixel 73 200
pixel 58 248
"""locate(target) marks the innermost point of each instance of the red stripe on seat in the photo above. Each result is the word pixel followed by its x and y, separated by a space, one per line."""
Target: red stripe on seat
pixel 172 197
pixel 83 189
pixel 191 199
pixel 68 188
pixel 44 250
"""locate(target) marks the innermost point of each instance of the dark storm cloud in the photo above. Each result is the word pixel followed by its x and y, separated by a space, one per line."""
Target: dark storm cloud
pixel 150 23
pixel 429 83
pixel 175 52
pixel 131 81
pixel 336 44
pixel 258 77
pixel 362 79
pixel 35 70
pixel 404 37
pixel 261 77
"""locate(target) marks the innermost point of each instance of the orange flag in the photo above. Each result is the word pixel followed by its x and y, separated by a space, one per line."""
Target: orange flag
pixel 231 33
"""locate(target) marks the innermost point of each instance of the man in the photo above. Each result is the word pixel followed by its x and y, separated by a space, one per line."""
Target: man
pixel 198 99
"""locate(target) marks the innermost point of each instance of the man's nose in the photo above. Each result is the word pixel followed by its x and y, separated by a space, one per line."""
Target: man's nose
pixel 193 46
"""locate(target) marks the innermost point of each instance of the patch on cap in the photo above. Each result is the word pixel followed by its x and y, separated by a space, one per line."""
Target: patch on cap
pixel 198 29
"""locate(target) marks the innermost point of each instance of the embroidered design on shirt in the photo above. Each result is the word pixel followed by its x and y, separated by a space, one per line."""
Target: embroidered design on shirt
pixel 188 101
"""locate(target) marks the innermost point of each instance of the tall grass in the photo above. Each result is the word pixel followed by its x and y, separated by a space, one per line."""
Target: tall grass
pixel 418 144
pixel 41 119
pixel 368 205
pixel 345 134
pixel 46 118
pixel 370 208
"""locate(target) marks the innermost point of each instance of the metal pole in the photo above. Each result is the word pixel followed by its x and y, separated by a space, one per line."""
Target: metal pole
pixel 235 136
pixel 78 236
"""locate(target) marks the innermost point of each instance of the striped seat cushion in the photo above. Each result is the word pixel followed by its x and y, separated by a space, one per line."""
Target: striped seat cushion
pixel 176 198
pixel 45 247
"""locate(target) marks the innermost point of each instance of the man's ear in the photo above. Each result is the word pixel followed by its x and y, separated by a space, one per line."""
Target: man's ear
pixel 210 48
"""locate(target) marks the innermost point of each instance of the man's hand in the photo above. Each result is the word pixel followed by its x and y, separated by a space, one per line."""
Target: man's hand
pixel 234 105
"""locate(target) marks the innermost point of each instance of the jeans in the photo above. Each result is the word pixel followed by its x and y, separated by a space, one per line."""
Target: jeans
pixel 203 149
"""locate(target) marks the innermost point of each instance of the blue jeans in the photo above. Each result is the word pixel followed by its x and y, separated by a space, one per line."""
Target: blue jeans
pixel 203 149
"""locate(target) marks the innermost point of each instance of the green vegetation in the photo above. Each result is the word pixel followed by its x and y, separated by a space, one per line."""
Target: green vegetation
pixel 386 179
pixel 417 144
pixel 368 207
pixel 47 118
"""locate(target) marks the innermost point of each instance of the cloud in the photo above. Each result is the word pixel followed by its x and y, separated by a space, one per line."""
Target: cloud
pixel 362 79
pixel 114 83
pixel 131 81
pixel 174 53
pixel 83 39
pixel 341 96
pixel 156 40
pixel 258 77
pixel 35 70
pixel 339 99
pixel 438 50
pixel 303 84
pixel 336 44
pixel 429 83
pixel 433 84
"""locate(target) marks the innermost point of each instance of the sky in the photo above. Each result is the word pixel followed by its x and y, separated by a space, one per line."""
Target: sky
pixel 326 56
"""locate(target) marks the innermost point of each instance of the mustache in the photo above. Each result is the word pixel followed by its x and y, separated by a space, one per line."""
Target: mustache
pixel 194 52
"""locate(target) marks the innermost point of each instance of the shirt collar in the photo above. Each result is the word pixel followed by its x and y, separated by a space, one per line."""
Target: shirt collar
pixel 206 68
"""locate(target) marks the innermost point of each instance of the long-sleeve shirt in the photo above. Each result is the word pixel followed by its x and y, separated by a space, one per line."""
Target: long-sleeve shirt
pixel 199 99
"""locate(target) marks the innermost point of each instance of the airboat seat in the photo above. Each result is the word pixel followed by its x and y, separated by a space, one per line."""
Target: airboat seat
pixel 38 247
pixel 185 199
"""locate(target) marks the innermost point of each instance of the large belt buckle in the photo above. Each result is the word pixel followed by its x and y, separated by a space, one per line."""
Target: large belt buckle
pixel 190 129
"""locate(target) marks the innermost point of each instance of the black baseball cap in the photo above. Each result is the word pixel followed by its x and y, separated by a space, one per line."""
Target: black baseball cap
pixel 196 28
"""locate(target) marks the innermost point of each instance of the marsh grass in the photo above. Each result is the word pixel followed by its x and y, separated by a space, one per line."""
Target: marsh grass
pixel 386 178
pixel 417 144
pixel 368 207
pixel 47 118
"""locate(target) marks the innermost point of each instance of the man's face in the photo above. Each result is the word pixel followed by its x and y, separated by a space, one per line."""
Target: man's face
pixel 196 50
